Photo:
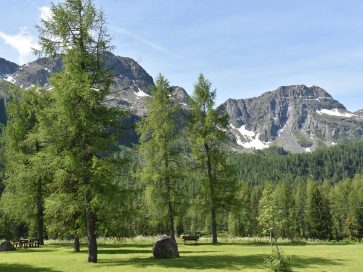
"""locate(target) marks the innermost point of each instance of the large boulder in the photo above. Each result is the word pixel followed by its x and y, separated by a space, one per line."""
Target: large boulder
pixel 165 248
pixel 7 246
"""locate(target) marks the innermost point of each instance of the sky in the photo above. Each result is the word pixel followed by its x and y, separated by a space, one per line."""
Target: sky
pixel 243 47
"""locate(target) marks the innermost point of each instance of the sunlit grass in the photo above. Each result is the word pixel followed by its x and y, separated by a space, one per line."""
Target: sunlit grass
pixel 135 255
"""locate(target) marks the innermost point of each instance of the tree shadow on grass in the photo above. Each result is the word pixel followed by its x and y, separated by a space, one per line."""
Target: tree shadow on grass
pixel 31 250
pixel 24 268
pixel 123 251
pixel 125 245
pixel 226 262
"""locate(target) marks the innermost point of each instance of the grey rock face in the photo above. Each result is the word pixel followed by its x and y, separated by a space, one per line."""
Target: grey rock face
pixel 130 88
pixel 7 246
pixel 4 94
pixel 131 83
pixel 165 248
pixel 359 112
pixel 297 118
pixel 7 67
pixel 180 95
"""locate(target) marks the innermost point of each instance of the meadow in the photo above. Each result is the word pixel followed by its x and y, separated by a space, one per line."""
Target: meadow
pixel 229 255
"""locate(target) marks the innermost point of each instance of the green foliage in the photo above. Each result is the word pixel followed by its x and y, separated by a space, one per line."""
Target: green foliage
pixel 161 167
pixel 271 219
pixel 278 262
pixel 317 212
pixel 333 164
pixel 207 137
pixel 26 175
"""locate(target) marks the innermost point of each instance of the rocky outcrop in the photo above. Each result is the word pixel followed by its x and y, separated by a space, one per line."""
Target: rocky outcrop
pixel 131 83
pixel 7 68
pixel 7 246
pixel 359 112
pixel 165 248
pixel 297 118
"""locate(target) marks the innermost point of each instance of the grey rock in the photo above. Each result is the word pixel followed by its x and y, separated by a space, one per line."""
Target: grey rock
pixel 7 67
pixel 165 248
pixel 292 117
pixel 7 246
pixel 359 112
pixel 297 118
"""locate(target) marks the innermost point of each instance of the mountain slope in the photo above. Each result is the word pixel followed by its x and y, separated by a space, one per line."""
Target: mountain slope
pixel 359 112
pixel 297 118
pixel 7 68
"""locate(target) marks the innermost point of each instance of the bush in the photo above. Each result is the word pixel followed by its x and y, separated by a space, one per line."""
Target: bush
pixel 278 262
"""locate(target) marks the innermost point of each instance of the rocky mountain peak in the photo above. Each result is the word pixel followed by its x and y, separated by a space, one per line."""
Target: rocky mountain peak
pixel 359 112
pixel 296 117
pixel 7 68
pixel 299 91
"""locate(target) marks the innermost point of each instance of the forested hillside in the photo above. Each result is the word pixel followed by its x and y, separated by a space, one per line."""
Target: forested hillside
pixel 332 164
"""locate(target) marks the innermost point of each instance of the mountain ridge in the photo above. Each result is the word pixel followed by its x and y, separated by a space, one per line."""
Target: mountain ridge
pixel 295 117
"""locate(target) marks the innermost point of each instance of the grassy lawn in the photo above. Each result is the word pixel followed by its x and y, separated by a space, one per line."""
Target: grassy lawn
pixel 223 257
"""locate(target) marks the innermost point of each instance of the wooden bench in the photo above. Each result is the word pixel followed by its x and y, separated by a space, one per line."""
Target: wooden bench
pixel 193 237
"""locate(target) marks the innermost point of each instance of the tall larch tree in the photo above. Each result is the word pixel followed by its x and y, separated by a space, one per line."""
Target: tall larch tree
pixel 80 130
pixel 26 175
pixel 206 132
pixel 160 149
pixel 318 215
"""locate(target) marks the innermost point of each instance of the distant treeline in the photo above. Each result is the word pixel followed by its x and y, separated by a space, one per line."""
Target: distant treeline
pixel 306 209
pixel 333 164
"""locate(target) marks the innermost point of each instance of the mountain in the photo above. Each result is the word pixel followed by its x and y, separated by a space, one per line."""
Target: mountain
pixel 359 112
pixel 7 68
pixel 297 118
pixel 130 88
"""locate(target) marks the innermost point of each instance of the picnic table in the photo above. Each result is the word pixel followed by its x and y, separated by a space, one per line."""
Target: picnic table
pixel 191 237
pixel 25 243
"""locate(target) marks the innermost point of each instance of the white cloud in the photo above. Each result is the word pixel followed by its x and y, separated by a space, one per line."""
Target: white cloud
pixel 45 13
pixel 23 42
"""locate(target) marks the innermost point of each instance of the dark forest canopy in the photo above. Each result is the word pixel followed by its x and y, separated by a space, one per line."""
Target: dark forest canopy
pixel 333 164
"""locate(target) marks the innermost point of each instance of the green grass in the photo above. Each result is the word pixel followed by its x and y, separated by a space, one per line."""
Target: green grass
pixel 137 256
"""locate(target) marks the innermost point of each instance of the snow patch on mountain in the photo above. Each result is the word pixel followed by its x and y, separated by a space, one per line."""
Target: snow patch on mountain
pixel 140 93
pixel 253 142
pixel 336 112
pixel 244 132
pixel 10 79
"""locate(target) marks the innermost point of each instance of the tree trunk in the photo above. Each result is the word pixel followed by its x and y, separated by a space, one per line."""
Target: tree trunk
pixel 91 235
pixel 212 196
pixel 77 245
pixel 91 220
pixel 40 214
pixel 170 205
pixel 40 207
pixel 171 220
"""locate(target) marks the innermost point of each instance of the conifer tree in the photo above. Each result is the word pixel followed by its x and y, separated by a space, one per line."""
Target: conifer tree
pixel 80 130
pixel 318 215
pixel 207 138
pixel 26 173
pixel 160 150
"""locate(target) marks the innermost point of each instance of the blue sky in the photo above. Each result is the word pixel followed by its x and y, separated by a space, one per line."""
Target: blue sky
pixel 244 47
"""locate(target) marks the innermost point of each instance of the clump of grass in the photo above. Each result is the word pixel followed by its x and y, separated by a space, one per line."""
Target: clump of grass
pixel 278 262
